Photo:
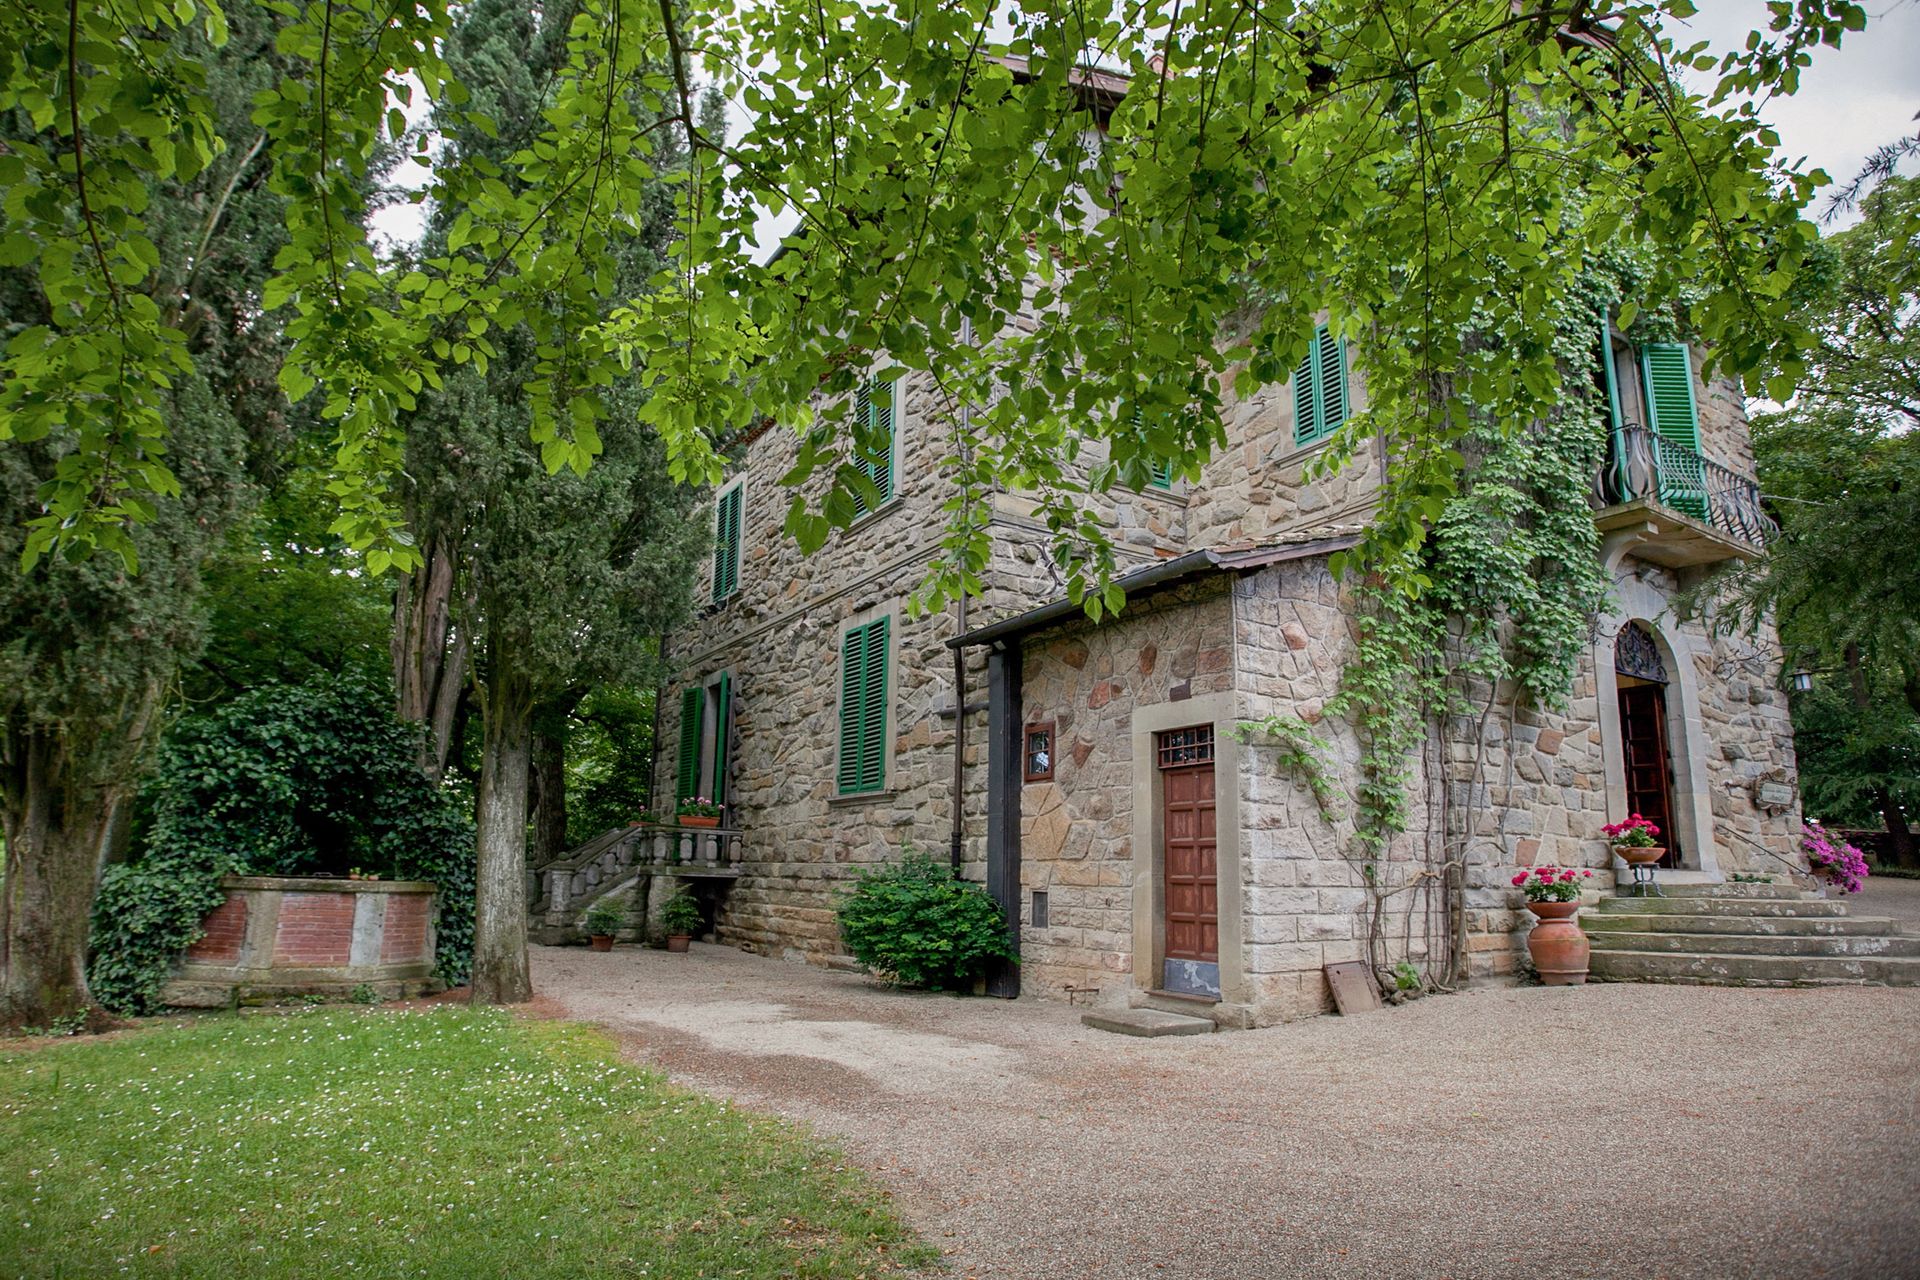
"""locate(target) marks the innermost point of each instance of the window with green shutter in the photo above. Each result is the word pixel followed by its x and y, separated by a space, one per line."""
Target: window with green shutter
pixel 722 730
pixel 693 702
pixel 726 540
pixel 873 405
pixel 1666 369
pixel 863 708
pixel 1162 475
pixel 1320 389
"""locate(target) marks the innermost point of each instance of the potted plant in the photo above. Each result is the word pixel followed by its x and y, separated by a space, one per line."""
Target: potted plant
pixel 698 811
pixel 1839 864
pixel 603 921
pixel 1559 950
pixel 1637 840
pixel 680 918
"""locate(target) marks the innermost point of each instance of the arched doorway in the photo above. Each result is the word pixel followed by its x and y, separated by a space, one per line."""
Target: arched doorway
pixel 1640 675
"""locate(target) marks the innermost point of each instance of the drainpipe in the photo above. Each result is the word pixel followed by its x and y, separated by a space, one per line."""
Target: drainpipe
pixel 957 842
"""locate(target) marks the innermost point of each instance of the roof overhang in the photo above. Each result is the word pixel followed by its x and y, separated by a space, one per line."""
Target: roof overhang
pixel 1157 577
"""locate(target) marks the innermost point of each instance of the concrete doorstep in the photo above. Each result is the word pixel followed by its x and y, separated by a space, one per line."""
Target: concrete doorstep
pixel 1146 1022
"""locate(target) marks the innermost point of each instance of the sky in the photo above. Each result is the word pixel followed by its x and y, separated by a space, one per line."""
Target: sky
pixel 1851 100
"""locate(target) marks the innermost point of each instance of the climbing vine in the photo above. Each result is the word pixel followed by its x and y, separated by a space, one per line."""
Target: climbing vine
pixel 1488 613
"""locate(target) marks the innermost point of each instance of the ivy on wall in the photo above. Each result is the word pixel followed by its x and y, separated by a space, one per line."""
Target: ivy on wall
pixel 1490 612
pixel 311 779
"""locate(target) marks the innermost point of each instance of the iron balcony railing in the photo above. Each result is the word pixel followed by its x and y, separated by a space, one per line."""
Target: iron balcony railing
pixel 1641 464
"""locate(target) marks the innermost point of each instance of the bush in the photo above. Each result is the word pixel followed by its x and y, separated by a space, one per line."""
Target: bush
pixel 681 915
pixel 288 780
pixel 913 923
pixel 605 919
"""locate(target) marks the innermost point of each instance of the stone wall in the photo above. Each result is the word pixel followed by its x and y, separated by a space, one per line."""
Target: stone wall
pixel 1077 842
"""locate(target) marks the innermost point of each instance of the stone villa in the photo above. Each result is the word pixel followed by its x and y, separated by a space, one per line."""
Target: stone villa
pixel 1091 776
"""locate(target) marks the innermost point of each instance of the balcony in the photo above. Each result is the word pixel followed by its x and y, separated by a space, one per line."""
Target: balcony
pixel 1678 508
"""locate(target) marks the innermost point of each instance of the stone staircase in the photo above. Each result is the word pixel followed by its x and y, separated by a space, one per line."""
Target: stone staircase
pixel 1746 935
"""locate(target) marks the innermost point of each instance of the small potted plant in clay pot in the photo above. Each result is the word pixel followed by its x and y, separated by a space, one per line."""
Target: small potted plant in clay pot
pixel 1838 865
pixel 680 918
pixel 1560 951
pixel 698 811
pixel 1637 841
pixel 602 923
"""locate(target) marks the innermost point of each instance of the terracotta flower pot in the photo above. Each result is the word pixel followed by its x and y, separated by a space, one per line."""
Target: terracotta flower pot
pixel 1560 951
pixel 602 941
pixel 699 820
pixel 677 941
pixel 1635 856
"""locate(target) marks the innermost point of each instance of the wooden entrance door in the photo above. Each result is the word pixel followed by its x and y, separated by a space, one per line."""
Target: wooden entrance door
pixel 1192 872
pixel 1643 731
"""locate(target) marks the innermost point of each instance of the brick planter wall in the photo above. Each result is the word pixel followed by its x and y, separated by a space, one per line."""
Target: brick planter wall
pixel 278 936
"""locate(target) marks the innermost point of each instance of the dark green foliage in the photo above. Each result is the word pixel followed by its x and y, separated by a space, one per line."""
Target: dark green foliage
pixel 913 923
pixel 313 779
pixel 606 917
pixel 681 914
pixel 609 753
pixel 1854 759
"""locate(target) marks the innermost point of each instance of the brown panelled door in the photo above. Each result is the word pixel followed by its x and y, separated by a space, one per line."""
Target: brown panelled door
pixel 1643 732
pixel 1190 867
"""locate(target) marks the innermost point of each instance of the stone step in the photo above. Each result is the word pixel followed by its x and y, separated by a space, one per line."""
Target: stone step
pixel 1596 923
pixel 1733 889
pixel 1146 1022
pixel 1808 907
pixel 1756 944
pixel 1754 971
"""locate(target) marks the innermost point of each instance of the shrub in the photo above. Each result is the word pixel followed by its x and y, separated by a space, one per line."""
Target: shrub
pixel 913 923
pixel 605 918
pixel 681 915
pixel 290 780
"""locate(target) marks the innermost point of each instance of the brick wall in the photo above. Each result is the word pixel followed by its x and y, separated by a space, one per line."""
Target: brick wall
pixel 316 929
pixel 406 935
pixel 226 933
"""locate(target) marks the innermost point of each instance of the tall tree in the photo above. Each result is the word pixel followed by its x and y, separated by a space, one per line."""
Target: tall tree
pixel 1841 464
pixel 91 650
pixel 1434 173
pixel 558 580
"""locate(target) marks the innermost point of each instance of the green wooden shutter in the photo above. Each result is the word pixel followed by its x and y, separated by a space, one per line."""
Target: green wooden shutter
pixel 1333 380
pixel 1162 475
pixel 873 728
pixel 722 729
pixel 1304 416
pixel 873 406
pixel 1320 388
pixel 692 702
pixel 1667 370
pixel 863 708
pixel 726 543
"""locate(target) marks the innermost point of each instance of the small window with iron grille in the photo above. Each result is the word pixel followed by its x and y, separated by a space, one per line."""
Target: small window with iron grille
pixel 1038 756
pixel 1182 747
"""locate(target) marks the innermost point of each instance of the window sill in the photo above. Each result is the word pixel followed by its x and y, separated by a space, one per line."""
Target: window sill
pixel 1293 452
pixel 858 798
pixel 862 523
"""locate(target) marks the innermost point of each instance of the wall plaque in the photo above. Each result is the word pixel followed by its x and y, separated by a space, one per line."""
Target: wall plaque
pixel 1774 795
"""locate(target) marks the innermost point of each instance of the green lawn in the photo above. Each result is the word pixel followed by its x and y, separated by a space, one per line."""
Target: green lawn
pixel 442 1143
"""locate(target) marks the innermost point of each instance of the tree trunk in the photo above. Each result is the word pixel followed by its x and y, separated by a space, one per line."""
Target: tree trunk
pixel 55 831
pixel 500 881
pixel 429 654
pixel 549 793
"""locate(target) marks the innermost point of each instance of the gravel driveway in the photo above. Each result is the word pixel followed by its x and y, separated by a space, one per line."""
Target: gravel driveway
pixel 1610 1130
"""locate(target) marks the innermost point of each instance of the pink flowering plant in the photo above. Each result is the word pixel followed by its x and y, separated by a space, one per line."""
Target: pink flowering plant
pixel 1635 833
pixel 699 807
pixel 1552 884
pixel 1845 863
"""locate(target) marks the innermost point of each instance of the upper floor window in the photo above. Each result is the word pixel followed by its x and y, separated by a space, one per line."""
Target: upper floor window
pixel 1651 386
pixel 728 524
pixel 1320 402
pixel 876 420
pixel 864 658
